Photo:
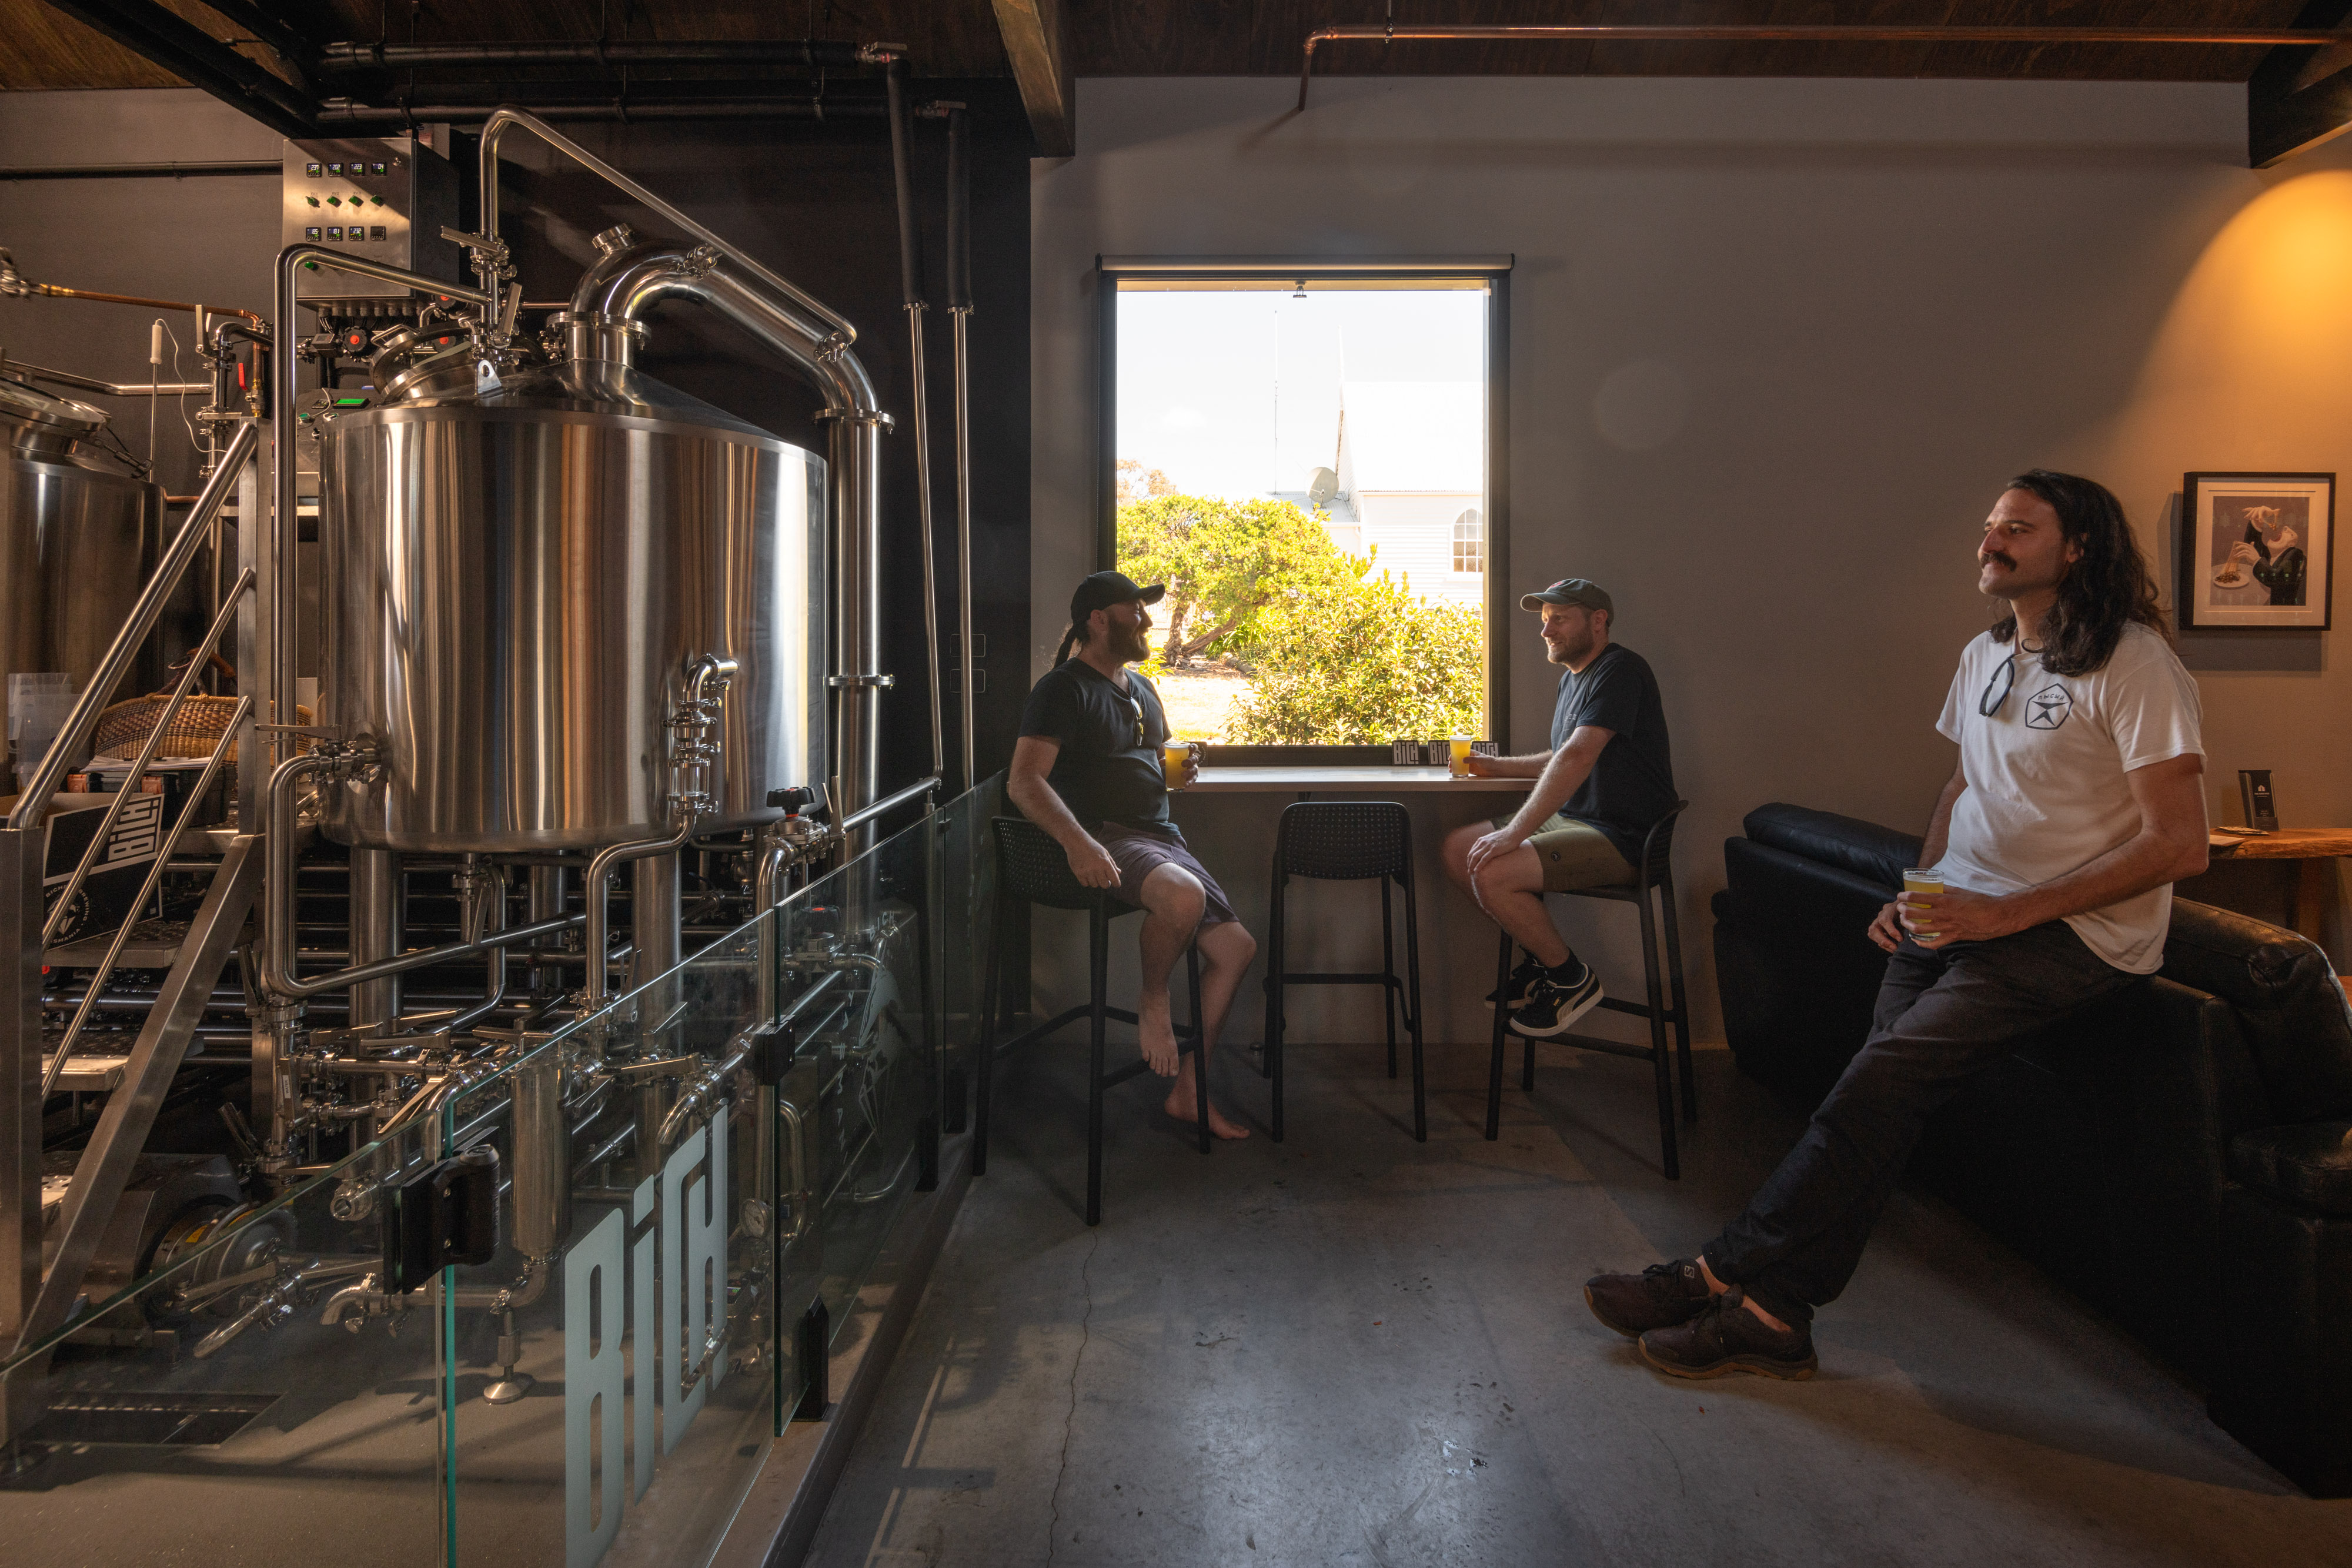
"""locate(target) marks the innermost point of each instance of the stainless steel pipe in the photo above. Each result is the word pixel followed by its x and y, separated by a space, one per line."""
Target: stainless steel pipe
pixel 374 911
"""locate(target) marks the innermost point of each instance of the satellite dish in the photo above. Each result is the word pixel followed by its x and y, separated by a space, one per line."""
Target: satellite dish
pixel 1321 485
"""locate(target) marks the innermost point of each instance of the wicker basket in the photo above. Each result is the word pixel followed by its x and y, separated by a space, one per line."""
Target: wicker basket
pixel 196 729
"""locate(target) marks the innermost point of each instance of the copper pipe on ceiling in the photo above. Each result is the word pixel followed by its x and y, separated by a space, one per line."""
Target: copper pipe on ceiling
pixel 1622 32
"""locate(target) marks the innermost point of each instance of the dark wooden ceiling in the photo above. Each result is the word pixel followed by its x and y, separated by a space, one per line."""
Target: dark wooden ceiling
pixel 41 47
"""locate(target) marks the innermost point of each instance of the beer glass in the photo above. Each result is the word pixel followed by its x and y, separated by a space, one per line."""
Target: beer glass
pixel 1173 754
pixel 1923 879
pixel 1458 762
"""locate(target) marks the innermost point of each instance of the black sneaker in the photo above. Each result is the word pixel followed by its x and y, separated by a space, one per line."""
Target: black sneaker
pixel 1725 1338
pixel 1659 1297
pixel 1555 1007
pixel 1519 987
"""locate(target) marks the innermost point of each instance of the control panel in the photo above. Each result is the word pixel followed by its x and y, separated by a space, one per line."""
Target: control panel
pixel 385 198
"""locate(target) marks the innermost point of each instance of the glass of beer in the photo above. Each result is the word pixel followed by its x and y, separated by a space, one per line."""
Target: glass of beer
pixel 1923 879
pixel 1457 762
pixel 1173 754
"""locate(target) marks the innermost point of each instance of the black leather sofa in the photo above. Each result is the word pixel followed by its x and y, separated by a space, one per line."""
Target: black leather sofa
pixel 2179 1155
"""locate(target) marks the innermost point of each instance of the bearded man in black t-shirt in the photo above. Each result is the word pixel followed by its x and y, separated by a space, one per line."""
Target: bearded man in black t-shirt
pixel 1087 769
pixel 1607 779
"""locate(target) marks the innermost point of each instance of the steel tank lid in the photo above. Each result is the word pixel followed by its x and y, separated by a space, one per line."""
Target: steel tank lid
pixel 25 404
pixel 595 388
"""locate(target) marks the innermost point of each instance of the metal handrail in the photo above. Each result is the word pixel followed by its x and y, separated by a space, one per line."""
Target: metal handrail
pixel 154 743
pixel 494 127
pixel 35 799
pixel 146 891
pixel 911 793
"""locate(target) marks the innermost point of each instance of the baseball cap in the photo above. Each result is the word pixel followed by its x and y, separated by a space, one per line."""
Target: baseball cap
pixel 1104 589
pixel 1571 590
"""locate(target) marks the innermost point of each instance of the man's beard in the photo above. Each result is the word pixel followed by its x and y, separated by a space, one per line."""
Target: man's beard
pixel 1129 644
pixel 1568 653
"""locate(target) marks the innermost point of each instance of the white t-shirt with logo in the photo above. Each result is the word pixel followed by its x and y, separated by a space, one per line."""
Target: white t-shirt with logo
pixel 2046 793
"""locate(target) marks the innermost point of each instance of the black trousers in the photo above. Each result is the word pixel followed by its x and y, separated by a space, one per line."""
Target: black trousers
pixel 1944 1016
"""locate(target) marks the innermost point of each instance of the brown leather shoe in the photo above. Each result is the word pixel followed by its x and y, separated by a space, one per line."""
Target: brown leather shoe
pixel 1725 1338
pixel 1660 1296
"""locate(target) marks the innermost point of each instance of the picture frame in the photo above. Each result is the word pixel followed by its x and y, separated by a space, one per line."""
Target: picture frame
pixel 2257 552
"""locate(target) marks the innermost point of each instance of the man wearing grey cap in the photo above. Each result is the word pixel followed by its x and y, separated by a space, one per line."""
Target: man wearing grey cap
pixel 1607 779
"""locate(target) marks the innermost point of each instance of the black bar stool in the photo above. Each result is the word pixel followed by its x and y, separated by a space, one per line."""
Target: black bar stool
pixel 1656 876
pixel 1348 841
pixel 1030 868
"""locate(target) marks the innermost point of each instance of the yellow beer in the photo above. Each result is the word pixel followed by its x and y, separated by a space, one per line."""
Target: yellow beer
pixel 1458 762
pixel 1173 754
pixel 1923 879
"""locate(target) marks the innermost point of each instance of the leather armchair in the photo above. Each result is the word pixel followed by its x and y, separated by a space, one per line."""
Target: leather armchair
pixel 2180 1153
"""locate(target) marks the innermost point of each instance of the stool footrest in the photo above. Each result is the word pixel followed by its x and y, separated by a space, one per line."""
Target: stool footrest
pixel 1594 1042
pixel 1641 1010
pixel 1374 978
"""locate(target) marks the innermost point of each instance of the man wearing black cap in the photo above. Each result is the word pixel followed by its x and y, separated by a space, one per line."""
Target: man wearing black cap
pixel 1087 769
pixel 1607 779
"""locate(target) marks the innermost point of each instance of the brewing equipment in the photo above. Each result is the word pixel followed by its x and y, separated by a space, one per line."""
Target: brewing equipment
pixel 518 577
pixel 76 536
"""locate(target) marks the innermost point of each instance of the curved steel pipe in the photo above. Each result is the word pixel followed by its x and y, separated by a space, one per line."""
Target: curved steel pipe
pixel 496 127
pixel 620 291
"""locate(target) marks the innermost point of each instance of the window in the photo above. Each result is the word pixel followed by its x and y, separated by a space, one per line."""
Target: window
pixel 1307 454
pixel 1469 542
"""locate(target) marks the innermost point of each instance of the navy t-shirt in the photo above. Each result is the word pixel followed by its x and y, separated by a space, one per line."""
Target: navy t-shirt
pixel 1632 784
pixel 1108 768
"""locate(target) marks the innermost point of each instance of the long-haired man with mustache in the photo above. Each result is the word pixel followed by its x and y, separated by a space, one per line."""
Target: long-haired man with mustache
pixel 2078 802
pixel 1086 770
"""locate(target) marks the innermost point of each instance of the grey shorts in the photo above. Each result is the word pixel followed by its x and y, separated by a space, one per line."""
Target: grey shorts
pixel 1576 854
pixel 1138 854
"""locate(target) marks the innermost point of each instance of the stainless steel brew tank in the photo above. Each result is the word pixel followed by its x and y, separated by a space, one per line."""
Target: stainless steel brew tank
pixel 75 540
pixel 516 584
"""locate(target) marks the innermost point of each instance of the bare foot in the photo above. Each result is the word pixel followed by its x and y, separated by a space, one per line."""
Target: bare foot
pixel 1157 1030
pixel 1180 1105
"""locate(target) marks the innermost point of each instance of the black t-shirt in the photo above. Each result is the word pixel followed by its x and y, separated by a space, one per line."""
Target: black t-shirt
pixel 1108 768
pixel 1632 784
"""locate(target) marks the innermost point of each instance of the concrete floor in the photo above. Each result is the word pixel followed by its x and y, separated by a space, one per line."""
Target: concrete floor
pixel 1350 1349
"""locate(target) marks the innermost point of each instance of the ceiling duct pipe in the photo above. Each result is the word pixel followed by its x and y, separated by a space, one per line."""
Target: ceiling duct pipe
pixel 343 113
pixel 959 310
pixel 1749 33
pixel 911 284
pixel 815 54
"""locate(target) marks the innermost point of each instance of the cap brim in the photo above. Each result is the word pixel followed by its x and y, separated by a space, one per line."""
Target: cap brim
pixel 1153 594
pixel 1538 601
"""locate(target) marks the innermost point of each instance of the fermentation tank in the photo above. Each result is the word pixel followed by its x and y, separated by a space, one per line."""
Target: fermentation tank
pixel 519 575
pixel 75 539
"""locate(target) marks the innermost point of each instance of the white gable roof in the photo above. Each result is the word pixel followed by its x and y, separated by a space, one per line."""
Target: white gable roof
pixel 1414 435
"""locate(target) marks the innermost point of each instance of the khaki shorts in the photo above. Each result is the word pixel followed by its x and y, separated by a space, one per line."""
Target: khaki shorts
pixel 1575 855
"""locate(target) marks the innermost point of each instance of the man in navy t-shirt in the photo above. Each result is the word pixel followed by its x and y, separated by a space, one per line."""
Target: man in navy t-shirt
pixel 1606 781
pixel 1087 769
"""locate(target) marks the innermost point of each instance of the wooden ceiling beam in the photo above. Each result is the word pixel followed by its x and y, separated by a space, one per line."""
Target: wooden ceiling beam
pixel 2300 97
pixel 1036 42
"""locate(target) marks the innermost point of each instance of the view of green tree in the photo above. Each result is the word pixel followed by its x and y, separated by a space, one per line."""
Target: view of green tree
pixel 1333 654
pixel 1366 663
pixel 1225 562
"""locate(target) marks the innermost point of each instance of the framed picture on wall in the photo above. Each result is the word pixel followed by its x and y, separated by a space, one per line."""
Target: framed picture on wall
pixel 2257 550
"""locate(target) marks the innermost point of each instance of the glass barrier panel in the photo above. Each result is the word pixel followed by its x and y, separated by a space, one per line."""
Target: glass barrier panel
pixel 241 1404
pixel 609 1386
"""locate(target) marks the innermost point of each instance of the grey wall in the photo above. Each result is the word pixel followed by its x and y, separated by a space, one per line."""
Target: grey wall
pixel 1775 346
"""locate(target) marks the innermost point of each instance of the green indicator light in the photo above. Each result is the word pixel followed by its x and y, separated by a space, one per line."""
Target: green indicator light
pixel 351 402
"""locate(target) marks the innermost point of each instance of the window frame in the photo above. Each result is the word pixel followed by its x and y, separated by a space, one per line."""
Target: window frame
pixel 1495 272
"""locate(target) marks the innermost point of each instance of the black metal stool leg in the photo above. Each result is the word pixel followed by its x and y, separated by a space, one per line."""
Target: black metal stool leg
pixel 1495 1070
pixel 1098 963
pixel 1682 1008
pixel 1388 974
pixel 1200 1044
pixel 1413 1019
pixel 1658 1052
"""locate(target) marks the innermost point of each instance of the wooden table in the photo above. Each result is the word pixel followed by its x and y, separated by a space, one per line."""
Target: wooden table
pixel 1305 782
pixel 2316 848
